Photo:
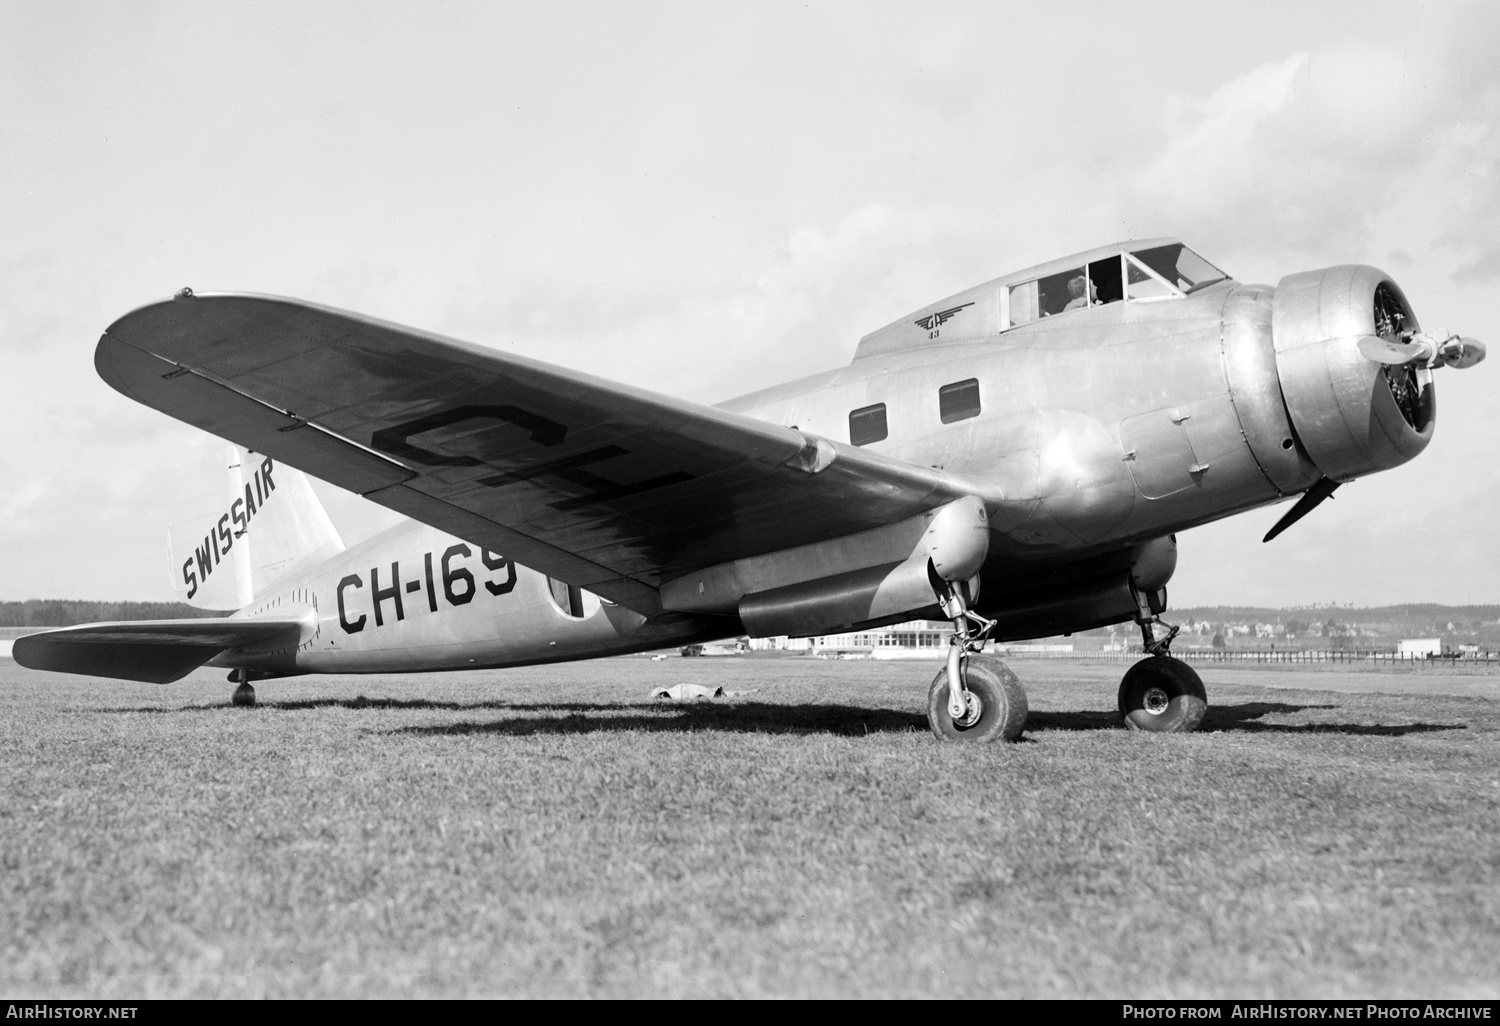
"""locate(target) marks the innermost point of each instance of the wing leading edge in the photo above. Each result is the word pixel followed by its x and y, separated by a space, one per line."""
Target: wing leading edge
pixel 608 487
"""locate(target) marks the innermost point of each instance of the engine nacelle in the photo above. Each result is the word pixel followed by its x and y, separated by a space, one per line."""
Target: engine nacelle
pixel 1352 415
pixel 954 543
pixel 861 598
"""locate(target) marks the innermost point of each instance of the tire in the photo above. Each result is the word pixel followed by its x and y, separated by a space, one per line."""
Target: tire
pixel 1162 695
pixel 244 696
pixel 1002 704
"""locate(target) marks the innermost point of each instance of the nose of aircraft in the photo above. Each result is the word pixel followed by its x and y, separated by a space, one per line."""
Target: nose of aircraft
pixel 1354 412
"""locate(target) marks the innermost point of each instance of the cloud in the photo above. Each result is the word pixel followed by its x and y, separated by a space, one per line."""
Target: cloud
pixel 1321 156
pixel 801 307
pixel 1206 134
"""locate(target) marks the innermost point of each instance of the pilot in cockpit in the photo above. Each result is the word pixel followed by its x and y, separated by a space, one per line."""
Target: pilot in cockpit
pixel 1076 289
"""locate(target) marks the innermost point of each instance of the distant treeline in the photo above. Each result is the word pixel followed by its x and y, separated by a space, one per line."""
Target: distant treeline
pixel 1409 610
pixel 1414 619
pixel 66 612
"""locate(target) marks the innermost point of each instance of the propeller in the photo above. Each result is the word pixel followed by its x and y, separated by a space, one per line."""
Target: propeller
pixel 1453 351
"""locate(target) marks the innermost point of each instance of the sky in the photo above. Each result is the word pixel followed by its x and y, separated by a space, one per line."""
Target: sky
pixel 707 198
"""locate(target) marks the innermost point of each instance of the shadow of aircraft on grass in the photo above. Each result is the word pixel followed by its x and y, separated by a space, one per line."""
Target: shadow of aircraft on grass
pixel 588 717
pixel 1223 718
pixel 739 717
pixel 1220 717
pixel 761 717
pixel 1244 717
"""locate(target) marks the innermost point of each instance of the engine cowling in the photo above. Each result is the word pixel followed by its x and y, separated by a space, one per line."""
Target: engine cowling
pixel 1352 415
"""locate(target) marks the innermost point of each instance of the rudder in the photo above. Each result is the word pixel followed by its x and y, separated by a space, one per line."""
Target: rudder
pixel 244 526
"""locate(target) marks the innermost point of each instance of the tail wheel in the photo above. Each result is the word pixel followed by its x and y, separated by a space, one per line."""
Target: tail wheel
pixel 1163 695
pixel 997 710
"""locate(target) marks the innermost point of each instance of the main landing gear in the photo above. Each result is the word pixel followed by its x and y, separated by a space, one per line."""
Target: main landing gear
pixel 1161 694
pixel 244 695
pixel 974 697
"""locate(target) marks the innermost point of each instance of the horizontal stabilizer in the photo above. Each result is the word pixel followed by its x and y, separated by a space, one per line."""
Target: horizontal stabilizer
pixel 157 651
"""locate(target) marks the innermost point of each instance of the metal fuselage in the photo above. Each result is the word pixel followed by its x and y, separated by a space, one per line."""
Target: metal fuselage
pixel 1099 433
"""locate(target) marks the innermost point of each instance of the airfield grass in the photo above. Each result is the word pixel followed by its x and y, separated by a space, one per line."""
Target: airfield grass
pixel 553 832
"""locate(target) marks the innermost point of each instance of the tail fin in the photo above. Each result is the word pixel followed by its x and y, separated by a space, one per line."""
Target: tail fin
pixel 242 528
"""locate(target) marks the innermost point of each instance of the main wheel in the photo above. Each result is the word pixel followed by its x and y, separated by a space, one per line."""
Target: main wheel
pixel 1163 695
pixel 244 695
pixel 997 711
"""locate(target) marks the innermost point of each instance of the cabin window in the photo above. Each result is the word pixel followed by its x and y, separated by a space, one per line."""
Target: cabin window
pixel 867 425
pixel 959 401
pixel 1023 303
pixel 566 597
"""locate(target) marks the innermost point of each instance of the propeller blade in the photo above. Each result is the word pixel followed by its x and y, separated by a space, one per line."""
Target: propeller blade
pixel 1305 505
pixel 1383 350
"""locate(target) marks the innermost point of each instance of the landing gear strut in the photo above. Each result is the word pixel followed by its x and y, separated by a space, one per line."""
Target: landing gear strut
pixel 244 695
pixel 1150 642
pixel 1160 693
pixel 974 697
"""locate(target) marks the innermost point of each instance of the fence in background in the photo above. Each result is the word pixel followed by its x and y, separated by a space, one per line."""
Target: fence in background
pixel 1231 656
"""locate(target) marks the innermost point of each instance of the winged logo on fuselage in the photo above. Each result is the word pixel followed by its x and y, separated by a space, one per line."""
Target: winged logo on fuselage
pixel 933 321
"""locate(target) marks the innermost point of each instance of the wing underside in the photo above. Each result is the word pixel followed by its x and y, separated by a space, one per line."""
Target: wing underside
pixel 601 485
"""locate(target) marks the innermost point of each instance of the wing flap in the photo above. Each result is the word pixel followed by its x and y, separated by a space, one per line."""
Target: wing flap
pixel 156 651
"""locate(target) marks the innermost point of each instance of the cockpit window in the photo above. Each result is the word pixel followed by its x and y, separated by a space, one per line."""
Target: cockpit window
pixel 1072 289
pixel 1142 284
pixel 1104 277
pixel 1065 291
pixel 1161 272
pixel 1180 266
pixel 1023 303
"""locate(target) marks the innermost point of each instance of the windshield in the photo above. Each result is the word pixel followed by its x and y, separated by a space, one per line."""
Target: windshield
pixel 1180 266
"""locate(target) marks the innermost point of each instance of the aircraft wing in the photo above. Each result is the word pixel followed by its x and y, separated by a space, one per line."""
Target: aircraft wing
pixel 608 487
pixel 158 651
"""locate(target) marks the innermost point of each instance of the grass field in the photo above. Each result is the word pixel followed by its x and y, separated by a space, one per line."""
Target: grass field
pixel 551 831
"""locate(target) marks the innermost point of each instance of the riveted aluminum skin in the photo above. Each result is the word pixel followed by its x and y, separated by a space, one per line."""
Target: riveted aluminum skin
pixel 1340 403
